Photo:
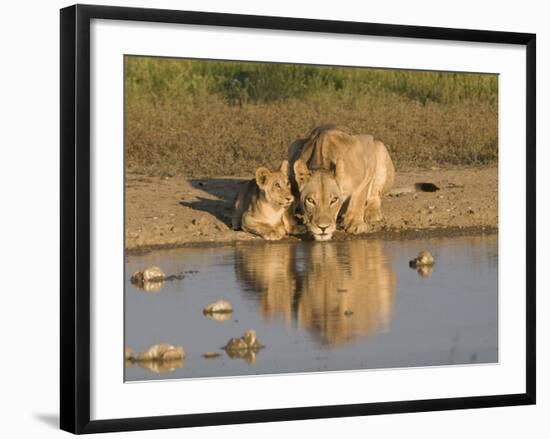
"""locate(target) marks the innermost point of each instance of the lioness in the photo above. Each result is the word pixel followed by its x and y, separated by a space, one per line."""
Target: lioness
pixel 335 173
pixel 264 204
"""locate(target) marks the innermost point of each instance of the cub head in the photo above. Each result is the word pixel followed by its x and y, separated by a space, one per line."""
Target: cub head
pixel 275 185
pixel 320 198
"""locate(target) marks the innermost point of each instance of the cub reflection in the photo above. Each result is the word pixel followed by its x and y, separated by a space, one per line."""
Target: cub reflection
pixel 336 290
pixel 269 270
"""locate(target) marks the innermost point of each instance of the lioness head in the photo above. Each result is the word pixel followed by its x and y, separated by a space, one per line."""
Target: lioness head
pixel 275 185
pixel 320 198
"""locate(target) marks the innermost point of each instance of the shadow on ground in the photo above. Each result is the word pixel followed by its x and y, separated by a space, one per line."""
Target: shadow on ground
pixel 222 192
pixel 50 419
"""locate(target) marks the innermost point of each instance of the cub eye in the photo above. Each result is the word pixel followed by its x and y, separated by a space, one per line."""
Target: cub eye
pixel 334 200
pixel 310 201
pixel 277 185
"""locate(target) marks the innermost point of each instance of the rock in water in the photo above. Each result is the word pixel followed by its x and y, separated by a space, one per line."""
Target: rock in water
pixel 151 279
pixel 162 352
pixel 247 342
pixel 149 274
pixel 128 354
pixel 218 307
pixel 209 355
pixel 424 259
pixel 245 347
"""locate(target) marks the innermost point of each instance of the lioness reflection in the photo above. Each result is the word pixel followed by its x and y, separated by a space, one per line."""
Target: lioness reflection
pixel 338 291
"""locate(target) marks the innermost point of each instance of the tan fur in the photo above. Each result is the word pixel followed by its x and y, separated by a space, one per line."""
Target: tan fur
pixel 317 286
pixel 339 174
pixel 264 205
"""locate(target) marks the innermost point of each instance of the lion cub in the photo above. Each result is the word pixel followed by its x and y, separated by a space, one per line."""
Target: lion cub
pixel 264 204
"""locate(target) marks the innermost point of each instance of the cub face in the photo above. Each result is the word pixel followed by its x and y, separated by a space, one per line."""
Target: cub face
pixel 320 198
pixel 275 186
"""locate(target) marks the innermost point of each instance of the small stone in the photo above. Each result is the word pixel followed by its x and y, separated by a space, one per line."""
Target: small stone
pixel 219 306
pixel 424 258
pixel 247 342
pixel 452 185
pixel 128 354
pixel 209 355
pixel 149 274
pixel 162 352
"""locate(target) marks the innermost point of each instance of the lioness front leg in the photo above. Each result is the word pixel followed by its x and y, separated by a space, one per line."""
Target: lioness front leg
pixel 354 218
pixel 373 211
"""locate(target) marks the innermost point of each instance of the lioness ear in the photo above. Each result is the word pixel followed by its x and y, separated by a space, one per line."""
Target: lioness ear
pixel 261 176
pixel 284 167
pixel 339 170
pixel 301 172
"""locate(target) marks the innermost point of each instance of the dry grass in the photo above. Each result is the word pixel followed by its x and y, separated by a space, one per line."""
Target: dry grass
pixel 199 118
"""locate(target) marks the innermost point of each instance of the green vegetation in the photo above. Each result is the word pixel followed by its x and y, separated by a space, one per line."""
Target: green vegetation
pixel 196 117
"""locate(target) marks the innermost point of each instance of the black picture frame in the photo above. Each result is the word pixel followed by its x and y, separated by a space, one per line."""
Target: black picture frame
pixel 75 217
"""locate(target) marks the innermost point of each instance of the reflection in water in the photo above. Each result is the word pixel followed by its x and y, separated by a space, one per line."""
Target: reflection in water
pixel 160 366
pixel 331 306
pixel 425 271
pixel 150 287
pixel 337 291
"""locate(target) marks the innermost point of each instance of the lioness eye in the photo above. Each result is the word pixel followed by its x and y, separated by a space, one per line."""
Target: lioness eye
pixel 310 201
pixel 277 185
pixel 334 200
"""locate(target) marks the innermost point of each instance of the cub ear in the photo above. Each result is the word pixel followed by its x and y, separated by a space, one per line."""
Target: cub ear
pixel 284 167
pixel 339 170
pixel 301 172
pixel 261 176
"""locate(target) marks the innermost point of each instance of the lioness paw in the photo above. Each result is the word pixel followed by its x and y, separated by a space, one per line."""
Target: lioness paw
pixel 357 228
pixel 273 236
pixel 375 216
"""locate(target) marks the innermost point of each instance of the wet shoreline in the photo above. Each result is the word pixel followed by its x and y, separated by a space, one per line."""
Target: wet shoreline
pixel 388 235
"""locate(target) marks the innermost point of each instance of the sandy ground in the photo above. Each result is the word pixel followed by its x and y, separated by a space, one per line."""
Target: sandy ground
pixel 175 211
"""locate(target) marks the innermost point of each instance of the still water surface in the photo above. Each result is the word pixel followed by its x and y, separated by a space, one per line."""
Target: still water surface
pixel 318 306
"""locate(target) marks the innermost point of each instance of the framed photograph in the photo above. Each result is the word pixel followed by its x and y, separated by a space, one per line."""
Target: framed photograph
pixel 268 218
